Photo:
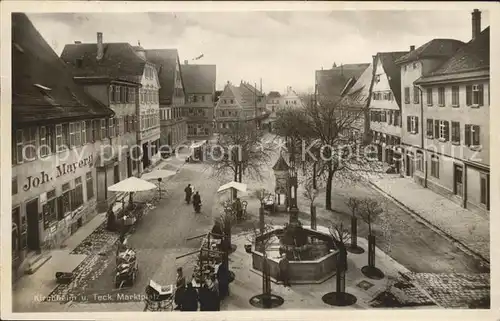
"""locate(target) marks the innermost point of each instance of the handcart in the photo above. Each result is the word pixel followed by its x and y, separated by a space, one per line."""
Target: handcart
pixel 127 268
pixel 159 298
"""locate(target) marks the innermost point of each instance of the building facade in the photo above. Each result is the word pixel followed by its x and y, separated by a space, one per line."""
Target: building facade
pixel 173 124
pixel 236 104
pixel 413 65
pixel 331 83
pixel 455 160
pixel 56 139
pixel 200 81
pixel 385 108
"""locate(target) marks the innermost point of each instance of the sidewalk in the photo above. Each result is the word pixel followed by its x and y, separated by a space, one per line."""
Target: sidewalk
pixel 469 229
pixel 30 290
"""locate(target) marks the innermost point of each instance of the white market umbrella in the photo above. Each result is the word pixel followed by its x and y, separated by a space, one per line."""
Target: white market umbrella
pixel 158 175
pixel 132 185
pixel 233 186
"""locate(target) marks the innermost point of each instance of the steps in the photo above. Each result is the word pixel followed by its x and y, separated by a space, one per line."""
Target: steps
pixel 36 262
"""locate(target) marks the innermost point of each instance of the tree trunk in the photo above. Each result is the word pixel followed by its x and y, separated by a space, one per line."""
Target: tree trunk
pixel 371 250
pixel 341 269
pixel 314 175
pixel 240 173
pixel 313 217
pixel 328 199
pixel 236 173
pixel 354 232
pixel 261 220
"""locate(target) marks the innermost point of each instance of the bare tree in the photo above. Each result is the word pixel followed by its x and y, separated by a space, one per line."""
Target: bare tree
pixel 354 204
pixel 324 133
pixel 240 150
pixel 370 210
pixel 340 236
pixel 311 193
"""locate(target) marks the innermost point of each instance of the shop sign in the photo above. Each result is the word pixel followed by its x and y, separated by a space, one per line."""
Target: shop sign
pixel 61 170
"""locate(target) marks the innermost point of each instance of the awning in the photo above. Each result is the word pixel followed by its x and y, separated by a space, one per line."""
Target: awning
pixel 197 144
pixel 233 185
pixel 132 184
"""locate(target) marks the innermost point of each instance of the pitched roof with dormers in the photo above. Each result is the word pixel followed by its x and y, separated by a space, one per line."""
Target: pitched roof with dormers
pixel 165 61
pixel 436 48
pixel 358 95
pixel 199 79
pixel 43 89
pixel 120 61
pixel 472 57
pixel 331 82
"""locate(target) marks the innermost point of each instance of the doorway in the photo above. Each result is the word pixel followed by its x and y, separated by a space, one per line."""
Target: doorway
pixel 145 155
pixel 33 231
pixel 458 172
pixel 410 166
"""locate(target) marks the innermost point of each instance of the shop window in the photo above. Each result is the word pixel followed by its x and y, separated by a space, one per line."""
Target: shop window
pixel 89 182
pixel 49 209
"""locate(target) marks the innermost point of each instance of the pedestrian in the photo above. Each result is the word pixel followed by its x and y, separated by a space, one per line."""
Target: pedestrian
pixel 223 280
pixel 111 222
pixel 213 286
pixel 204 296
pixel 284 270
pixel 238 208
pixel 180 287
pixel 188 192
pixel 190 299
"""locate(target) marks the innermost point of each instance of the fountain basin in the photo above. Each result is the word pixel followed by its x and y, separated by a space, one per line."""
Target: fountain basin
pixel 309 271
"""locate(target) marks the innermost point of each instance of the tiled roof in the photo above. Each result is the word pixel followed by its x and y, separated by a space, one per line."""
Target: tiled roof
pixel 248 95
pixel 120 61
pixel 331 82
pixel 35 63
pixel 199 79
pixel 165 61
pixel 436 48
pixel 392 71
pixel 273 94
pixel 358 95
pixel 474 56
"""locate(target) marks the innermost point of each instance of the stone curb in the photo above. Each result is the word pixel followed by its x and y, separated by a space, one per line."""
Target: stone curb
pixel 430 225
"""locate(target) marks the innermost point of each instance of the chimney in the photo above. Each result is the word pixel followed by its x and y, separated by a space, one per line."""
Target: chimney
pixel 100 47
pixel 341 69
pixel 476 23
pixel 412 48
pixel 77 42
pixel 186 62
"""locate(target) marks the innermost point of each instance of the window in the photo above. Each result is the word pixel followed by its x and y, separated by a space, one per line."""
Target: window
pixel 441 100
pixel 118 126
pixel 232 101
pixel 455 132
pixel 59 138
pixel 383 116
pixel 485 189
pixel 46 139
pixel 14 186
pixel 455 100
pixel 472 135
pixel 64 202
pixel 71 135
pixel 49 209
pixel 429 96
pixel 420 161
pixel 103 129
pixel 77 194
pixel 84 133
pixel 89 185
pixel 397 118
pixel 95 124
pixel 412 124
pixel 111 123
pixel 442 130
pixel 416 95
pixel 430 128
pixel 117 94
pixel 475 95
pixel 78 134
pixel 407 95
pixel 435 166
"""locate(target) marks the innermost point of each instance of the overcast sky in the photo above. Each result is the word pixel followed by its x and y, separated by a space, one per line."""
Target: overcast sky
pixel 282 48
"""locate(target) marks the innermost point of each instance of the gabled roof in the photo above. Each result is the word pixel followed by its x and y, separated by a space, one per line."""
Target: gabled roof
pixel 165 61
pixel 273 94
pixel 248 95
pixel 331 82
pixel 436 48
pixel 281 164
pixel 474 56
pixel 199 79
pixel 392 71
pixel 43 89
pixel 358 95
pixel 120 61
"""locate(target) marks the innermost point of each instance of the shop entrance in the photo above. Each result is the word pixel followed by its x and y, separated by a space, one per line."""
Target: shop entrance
pixel 33 231
pixel 145 155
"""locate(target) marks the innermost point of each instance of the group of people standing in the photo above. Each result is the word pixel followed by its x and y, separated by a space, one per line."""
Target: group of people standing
pixel 207 297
